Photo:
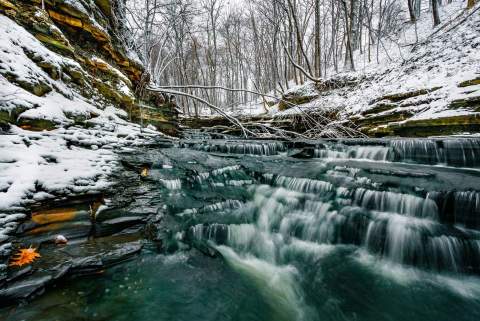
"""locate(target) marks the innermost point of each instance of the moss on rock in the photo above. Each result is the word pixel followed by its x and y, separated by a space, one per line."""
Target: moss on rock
pixel 81 33
pixel 405 95
pixel 470 103
pixel 385 118
pixel 471 82
pixel 36 124
pixel 428 127
pixel 56 43
pixel 379 107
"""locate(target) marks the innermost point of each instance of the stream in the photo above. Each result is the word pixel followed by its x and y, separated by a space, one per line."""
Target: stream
pixel 355 229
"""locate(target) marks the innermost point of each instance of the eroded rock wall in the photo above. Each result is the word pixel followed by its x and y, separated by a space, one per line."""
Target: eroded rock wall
pixel 97 65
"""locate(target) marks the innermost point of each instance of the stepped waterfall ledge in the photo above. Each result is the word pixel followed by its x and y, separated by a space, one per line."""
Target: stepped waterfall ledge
pixel 284 230
pixel 253 160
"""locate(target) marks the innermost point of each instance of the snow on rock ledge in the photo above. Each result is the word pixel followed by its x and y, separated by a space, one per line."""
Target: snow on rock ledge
pixel 432 88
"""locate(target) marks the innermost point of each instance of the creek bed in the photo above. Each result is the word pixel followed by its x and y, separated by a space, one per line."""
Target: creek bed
pixel 269 230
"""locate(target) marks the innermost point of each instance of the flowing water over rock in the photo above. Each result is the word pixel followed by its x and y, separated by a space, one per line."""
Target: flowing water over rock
pixel 268 230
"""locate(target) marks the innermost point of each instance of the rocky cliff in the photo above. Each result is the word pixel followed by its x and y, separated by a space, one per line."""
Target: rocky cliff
pixel 76 50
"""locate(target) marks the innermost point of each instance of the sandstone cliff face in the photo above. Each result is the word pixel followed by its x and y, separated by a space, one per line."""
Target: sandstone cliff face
pixel 90 57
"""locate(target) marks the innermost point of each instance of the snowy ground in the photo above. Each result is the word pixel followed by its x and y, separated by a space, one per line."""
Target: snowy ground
pixel 444 60
pixel 70 160
pixel 38 166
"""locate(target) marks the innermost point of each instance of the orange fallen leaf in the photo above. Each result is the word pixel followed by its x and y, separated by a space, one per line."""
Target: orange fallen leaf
pixel 25 256
pixel 144 172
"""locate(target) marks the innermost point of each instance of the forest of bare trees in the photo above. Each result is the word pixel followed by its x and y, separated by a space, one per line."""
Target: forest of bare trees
pixel 262 45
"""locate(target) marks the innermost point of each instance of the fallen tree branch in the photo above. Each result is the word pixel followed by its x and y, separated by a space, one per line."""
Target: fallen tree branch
pixel 232 119
pixel 315 123
pixel 213 87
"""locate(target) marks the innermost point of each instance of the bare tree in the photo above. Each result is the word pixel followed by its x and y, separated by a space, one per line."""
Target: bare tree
pixel 436 16
pixel 261 46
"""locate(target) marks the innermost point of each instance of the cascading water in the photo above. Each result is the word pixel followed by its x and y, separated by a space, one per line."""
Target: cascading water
pixel 259 148
pixel 451 151
pixel 306 231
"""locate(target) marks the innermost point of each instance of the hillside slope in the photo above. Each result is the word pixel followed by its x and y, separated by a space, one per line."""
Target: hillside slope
pixel 431 88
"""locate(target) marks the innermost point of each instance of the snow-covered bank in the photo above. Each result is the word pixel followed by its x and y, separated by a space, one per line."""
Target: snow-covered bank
pixel 436 79
pixel 61 118
pixel 40 166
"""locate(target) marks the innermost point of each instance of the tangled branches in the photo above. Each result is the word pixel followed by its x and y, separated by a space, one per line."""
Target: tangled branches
pixel 302 122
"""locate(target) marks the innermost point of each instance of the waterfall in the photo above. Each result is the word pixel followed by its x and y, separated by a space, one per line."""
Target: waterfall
pixel 215 207
pixel 345 204
pixel 458 207
pixel 259 148
pixel 400 227
pixel 172 184
pixel 305 185
pixel 449 151
pixel 386 201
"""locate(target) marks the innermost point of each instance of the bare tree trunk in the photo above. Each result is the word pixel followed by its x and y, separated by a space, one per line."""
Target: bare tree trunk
pixel 436 16
pixel 411 11
pixel 348 32
pixel 298 34
pixel 317 49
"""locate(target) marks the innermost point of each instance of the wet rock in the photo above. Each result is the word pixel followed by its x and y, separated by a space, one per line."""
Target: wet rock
pixel 86 265
pixel 19 273
pixel 24 289
pixel 61 270
pixel 60 239
pixel 114 225
pixel 47 233
pixel 206 249
pixel 400 173
pixel 305 153
pixel 125 252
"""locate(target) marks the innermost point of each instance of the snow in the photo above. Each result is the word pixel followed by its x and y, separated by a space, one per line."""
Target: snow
pixel 19 51
pixel 111 69
pixel 80 7
pixel 69 160
pixel 43 159
pixel 307 89
pixel 443 59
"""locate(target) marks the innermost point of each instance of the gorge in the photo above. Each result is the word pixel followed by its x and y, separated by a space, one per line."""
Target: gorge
pixel 133 208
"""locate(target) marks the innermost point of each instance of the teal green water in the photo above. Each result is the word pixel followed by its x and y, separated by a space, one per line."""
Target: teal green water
pixel 342 285
pixel 343 238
